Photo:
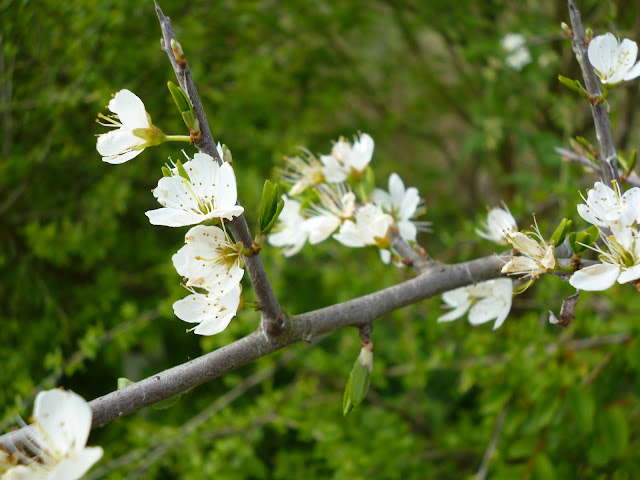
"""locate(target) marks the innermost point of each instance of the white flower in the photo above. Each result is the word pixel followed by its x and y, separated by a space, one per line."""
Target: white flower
pixel 347 159
pixel 57 439
pixel 134 131
pixel 613 61
pixel 621 262
pixel 303 172
pixel 518 55
pixel 402 204
pixel 336 206
pixel 209 260
pixel 485 301
pixel 209 192
pixel 536 257
pixel 291 230
pixel 499 223
pixel 211 312
pixel 606 207
pixel 370 228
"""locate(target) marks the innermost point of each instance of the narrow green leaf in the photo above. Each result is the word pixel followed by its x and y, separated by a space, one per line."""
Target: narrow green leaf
pixel 181 171
pixel 124 382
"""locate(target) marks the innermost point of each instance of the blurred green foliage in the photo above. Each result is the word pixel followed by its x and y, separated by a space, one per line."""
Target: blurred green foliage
pixel 87 283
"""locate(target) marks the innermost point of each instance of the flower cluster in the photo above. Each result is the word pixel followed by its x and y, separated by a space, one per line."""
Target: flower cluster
pixel 616 216
pixel 55 446
pixel 485 301
pixel 200 190
pixel 333 195
pixel 518 55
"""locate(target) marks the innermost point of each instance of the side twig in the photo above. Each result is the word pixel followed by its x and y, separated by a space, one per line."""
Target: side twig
pixel 608 154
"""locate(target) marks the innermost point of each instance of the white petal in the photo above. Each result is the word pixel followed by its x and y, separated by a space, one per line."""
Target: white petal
pixel 633 73
pixel 171 217
pixel 129 109
pixel 385 256
pixel 409 203
pixel 457 297
pixel 362 152
pixel 333 170
pixel 407 230
pixel 117 141
pixel 603 54
pixel 351 235
pixel 124 157
pixel 65 417
pixel 627 55
pixel 321 227
pixel 382 198
pixel 76 465
pixel 196 307
pixel 629 274
pixel 595 277
pixel 225 191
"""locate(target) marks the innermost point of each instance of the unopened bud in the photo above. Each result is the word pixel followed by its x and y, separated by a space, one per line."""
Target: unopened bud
pixel 568 31
pixel 588 35
pixel 178 53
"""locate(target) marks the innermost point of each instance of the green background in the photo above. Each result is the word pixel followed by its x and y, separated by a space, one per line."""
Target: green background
pixel 87 284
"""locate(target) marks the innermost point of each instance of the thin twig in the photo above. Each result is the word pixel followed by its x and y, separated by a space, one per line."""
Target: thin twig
pixel 608 154
pixel 272 323
pixel 585 161
pixel 481 474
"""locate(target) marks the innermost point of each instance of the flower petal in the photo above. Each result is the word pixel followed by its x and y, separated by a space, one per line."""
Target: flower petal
pixel 595 277
pixel 130 110
pixel 629 274
pixel 65 418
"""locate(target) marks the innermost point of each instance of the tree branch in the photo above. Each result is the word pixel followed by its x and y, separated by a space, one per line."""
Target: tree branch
pixel 608 154
pixel 304 327
pixel 271 323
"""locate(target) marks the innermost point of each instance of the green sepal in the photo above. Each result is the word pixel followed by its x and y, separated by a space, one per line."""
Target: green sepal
pixel 357 387
pixel 124 383
pixel 573 85
pixel 168 403
pixel 561 232
pixel 270 207
pixel 166 172
pixel 181 171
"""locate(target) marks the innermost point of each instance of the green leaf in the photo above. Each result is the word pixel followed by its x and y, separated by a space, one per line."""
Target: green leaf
pixel 270 207
pixel 181 171
pixel 573 85
pixel 561 231
pixel 124 382
pixel 166 172
pixel 633 159
pixel 180 98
